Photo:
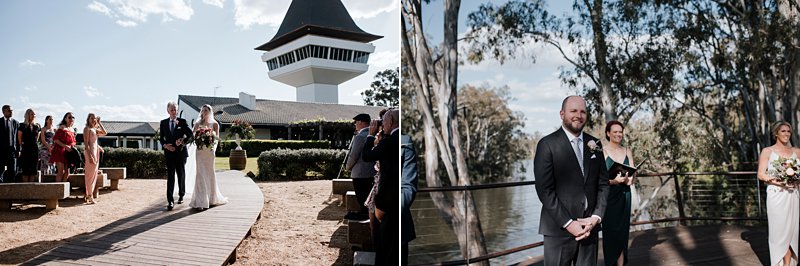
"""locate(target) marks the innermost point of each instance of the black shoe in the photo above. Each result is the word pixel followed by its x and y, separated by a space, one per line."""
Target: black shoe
pixel 180 200
pixel 169 206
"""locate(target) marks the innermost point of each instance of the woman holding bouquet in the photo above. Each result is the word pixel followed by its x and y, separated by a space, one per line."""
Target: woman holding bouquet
pixel 777 166
pixel 206 136
pixel 617 218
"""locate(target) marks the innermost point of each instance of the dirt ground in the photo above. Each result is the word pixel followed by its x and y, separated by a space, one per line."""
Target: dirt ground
pixel 300 225
pixel 29 230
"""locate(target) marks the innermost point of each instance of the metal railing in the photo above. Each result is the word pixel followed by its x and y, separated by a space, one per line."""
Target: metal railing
pixel 671 198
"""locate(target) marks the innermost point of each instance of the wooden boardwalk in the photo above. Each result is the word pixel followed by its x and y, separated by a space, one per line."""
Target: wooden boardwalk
pixel 156 236
pixel 694 245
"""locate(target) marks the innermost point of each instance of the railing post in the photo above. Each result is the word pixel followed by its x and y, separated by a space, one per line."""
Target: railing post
pixel 679 197
pixel 758 186
pixel 466 221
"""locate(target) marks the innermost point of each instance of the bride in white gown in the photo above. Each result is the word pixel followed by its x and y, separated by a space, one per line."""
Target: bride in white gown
pixel 200 167
pixel 783 201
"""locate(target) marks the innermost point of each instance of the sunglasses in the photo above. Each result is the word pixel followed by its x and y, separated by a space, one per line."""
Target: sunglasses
pixel 71 117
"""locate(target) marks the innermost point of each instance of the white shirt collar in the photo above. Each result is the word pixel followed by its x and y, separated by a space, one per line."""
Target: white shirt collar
pixel 570 136
pixel 393 130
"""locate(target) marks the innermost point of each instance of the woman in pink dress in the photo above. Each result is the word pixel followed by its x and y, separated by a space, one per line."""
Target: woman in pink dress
pixel 64 141
pixel 91 152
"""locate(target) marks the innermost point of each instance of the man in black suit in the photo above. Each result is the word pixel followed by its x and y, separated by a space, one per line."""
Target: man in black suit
pixel 387 152
pixel 174 133
pixel 9 146
pixel 572 184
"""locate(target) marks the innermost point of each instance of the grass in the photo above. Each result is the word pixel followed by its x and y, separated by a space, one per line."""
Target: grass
pixel 222 163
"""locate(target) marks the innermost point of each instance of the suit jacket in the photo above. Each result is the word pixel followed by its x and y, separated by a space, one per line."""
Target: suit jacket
pixel 355 164
pixel 182 130
pixel 561 186
pixel 409 188
pixel 387 153
pixel 5 148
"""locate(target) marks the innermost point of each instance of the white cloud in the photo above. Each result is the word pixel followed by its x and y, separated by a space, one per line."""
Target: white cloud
pixel 217 3
pixel 367 9
pixel 30 63
pixel 385 59
pixel 126 23
pixel 92 92
pixel 128 12
pixel 31 88
pixel 259 12
pixel 44 109
pixel 100 8
pixel 131 112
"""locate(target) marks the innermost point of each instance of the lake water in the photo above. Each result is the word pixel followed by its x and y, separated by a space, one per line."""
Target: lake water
pixel 509 218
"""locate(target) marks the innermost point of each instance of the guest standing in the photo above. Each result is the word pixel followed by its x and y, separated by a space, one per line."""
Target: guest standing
pixel 387 153
pixel 28 135
pixel 361 172
pixel 91 152
pixel 64 140
pixel 617 218
pixel 409 189
pixel 783 200
pixel 46 137
pixel 9 146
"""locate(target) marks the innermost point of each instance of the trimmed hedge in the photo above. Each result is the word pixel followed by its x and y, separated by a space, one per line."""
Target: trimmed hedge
pixel 286 164
pixel 256 147
pixel 140 163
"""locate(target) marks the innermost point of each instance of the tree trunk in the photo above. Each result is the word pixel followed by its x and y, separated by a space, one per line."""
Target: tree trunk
pixel 607 97
pixel 442 141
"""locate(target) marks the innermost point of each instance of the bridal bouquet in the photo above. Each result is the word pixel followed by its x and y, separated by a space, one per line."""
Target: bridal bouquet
pixel 205 138
pixel 785 170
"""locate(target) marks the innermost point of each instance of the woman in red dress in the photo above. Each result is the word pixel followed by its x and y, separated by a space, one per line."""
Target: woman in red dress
pixel 64 141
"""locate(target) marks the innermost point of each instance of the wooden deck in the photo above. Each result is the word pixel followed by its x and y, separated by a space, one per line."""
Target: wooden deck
pixel 182 236
pixel 694 245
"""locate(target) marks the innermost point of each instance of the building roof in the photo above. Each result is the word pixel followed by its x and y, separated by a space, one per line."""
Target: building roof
pixel 271 112
pixel 127 128
pixel 319 17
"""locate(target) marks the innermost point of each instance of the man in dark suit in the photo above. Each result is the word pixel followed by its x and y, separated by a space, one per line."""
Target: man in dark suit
pixel 572 184
pixel 387 153
pixel 9 146
pixel 409 190
pixel 174 133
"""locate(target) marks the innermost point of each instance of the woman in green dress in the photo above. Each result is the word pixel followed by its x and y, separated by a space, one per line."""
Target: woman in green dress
pixel 617 219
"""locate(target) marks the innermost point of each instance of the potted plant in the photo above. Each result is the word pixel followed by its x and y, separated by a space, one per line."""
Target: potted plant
pixel 239 130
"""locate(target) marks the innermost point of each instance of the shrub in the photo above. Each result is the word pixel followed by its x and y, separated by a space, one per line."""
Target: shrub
pixel 256 147
pixel 140 163
pixel 286 164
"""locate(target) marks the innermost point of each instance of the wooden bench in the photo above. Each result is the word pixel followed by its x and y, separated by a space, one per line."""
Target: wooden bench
pixel 49 192
pixel 363 258
pixel 115 174
pixel 351 202
pixel 359 235
pixel 341 186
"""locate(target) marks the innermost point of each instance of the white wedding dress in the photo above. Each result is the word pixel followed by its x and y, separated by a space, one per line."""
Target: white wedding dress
pixel 206 191
pixel 783 219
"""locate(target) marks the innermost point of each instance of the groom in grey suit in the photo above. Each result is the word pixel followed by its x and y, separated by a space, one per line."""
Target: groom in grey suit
pixel 572 184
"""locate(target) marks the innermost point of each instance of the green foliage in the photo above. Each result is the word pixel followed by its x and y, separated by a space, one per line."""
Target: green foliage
pixel 255 147
pixel 140 163
pixel 284 164
pixel 384 90
pixel 493 137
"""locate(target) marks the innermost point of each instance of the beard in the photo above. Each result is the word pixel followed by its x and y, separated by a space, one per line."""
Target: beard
pixel 575 130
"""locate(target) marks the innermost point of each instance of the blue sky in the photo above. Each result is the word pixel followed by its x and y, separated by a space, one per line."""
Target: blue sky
pixel 537 90
pixel 124 59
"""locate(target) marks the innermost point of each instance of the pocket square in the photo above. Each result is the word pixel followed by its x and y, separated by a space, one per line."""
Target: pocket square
pixel 593 156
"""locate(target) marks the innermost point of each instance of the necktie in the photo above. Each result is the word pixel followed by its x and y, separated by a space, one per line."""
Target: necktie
pixel 172 126
pixel 576 145
pixel 10 134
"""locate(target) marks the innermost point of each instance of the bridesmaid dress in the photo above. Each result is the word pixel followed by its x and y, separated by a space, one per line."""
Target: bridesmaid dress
pixel 617 220
pixel 783 219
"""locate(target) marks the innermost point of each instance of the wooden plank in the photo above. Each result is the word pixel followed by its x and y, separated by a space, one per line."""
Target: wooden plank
pixel 181 236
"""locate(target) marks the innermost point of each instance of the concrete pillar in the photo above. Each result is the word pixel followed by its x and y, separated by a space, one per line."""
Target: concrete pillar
pixel 125 141
pixel 320 130
pixel 290 133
